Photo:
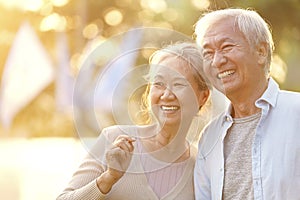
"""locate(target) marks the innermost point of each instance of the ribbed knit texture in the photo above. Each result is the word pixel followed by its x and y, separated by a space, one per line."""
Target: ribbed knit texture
pixel 134 184
pixel 156 171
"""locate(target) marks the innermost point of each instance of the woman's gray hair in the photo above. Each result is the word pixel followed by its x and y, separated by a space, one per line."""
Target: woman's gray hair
pixel 249 22
pixel 191 53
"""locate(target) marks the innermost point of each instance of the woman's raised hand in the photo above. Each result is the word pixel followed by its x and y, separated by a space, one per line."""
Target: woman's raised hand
pixel 119 156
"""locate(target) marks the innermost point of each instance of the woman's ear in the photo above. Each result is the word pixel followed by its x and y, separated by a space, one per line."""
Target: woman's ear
pixel 262 53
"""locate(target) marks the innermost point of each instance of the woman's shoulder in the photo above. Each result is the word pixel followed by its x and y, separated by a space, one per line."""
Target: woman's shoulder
pixel 137 131
pixel 116 130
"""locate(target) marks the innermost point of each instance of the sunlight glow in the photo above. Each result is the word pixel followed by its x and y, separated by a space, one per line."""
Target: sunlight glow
pixel 146 15
pixel 114 17
pixel 7 37
pixel 46 9
pixel 157 6
pixel 26 5
pixel 31 5
pixel 278 69
pixel 201 5
pixel 170 15
pixel 53 22
pixel 26 164
pixel 90 31
pixel 59 3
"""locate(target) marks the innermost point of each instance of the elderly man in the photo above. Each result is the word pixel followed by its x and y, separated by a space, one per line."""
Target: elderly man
pixel 252 150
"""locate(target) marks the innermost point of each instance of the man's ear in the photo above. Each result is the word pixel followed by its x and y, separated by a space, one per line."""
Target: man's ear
pixel 262 52
pixel 203 97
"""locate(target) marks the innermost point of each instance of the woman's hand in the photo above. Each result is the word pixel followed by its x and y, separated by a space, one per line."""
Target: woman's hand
pixel 119 156
pixel 118 159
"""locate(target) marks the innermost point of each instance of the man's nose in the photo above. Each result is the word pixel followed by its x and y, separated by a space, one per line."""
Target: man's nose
pixel 219 59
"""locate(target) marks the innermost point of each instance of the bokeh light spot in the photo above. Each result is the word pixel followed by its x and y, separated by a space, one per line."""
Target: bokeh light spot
pixel 113 17
pixel 90 31
pixel 157 6
pixel 201 4
pixel 53 22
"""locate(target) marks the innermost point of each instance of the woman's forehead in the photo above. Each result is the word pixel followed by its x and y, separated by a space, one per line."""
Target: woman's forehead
pixel 173 66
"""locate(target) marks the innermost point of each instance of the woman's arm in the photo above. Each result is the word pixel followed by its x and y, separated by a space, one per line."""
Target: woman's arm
pixel 93 179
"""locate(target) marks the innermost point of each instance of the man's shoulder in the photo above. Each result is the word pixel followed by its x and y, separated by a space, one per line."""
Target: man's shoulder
pixel 217 120
pixel 211 134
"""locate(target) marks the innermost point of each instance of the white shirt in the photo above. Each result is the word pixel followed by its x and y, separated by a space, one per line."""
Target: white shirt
pixel 275 150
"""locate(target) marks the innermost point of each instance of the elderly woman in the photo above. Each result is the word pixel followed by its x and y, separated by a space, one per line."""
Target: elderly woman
pixel 152 161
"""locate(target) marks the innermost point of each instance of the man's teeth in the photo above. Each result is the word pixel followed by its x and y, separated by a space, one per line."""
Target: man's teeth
pixel 226 73
pixel 170 108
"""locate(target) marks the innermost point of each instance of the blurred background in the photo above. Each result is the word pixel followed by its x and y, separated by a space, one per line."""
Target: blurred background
pixel 44 44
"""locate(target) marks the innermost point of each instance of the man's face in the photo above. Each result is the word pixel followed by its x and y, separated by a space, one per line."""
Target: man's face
pixel 230 63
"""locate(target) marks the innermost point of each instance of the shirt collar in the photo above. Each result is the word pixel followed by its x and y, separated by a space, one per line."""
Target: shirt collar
pixel 227 115
pixel 269 97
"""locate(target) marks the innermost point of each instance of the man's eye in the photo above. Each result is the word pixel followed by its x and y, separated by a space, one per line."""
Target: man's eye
pixel 227 47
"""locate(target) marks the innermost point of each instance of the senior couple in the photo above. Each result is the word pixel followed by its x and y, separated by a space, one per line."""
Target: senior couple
pixel 250 151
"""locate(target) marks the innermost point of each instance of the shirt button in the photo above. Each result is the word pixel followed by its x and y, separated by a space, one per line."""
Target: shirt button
pixel 228 119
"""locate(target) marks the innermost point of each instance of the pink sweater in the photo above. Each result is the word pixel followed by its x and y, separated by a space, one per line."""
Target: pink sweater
pixel 134 184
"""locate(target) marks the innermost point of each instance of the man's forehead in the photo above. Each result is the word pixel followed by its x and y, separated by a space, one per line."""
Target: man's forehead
pixel 215 40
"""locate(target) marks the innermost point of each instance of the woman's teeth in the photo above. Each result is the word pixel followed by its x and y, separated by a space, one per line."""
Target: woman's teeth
pixel 169 108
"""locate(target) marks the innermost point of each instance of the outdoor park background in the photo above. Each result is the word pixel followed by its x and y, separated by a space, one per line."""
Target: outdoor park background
pixel 43 44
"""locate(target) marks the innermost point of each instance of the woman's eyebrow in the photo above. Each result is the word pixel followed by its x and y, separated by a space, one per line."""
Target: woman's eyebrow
pixel 158 76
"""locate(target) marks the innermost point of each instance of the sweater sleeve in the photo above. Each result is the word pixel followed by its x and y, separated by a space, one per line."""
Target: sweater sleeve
pixel 83 184
pixel 88 192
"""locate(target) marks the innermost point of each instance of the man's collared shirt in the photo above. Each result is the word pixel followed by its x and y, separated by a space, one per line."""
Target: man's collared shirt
pixel 275 149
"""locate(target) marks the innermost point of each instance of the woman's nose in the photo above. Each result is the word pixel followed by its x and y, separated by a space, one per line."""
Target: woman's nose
pixel 167 94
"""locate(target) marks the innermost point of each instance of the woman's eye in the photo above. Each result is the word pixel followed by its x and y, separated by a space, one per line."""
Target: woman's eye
pixel 159 84
pixel 180 84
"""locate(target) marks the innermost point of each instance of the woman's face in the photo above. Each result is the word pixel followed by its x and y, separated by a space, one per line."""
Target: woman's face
pixel 174 93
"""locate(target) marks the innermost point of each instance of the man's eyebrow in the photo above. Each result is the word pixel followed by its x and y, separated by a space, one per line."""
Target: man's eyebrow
pixel 221 40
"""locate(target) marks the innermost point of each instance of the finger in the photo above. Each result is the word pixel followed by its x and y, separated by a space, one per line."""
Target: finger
pixel 131 139
pixel 126 137
pixel 129 143
pixel 124 145
pixel 130 146
pixel 125 142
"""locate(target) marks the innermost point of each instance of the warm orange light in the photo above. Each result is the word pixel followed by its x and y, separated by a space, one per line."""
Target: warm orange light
pixel 157 6
pixel 278 69
pixel 31 5
pixel 53 22
pixel 114 17
pixel 90 31
pixel 201 5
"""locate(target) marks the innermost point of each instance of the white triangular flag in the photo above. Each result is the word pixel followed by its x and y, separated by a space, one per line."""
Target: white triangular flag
pixel 28 70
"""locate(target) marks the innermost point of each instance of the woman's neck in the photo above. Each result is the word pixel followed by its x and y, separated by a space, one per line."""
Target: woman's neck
pixel 168 144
